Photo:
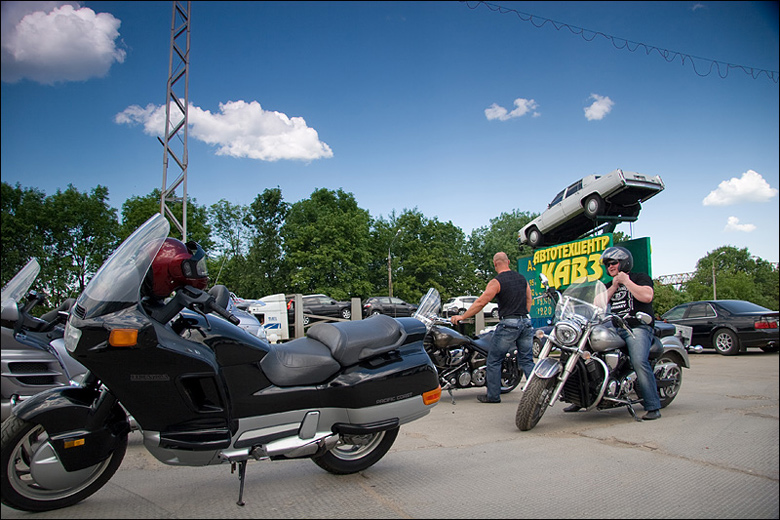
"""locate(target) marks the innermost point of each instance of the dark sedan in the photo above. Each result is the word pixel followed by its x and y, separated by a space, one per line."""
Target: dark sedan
pixel 319 305
pixel 393 307
pixel 728 326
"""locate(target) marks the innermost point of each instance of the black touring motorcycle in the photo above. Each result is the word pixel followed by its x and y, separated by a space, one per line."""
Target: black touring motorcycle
pixel 202 390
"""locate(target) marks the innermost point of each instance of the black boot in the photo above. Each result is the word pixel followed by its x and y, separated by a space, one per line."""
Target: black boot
pixel 572 408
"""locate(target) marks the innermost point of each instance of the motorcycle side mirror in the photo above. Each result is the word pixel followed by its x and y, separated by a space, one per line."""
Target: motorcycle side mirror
pixel 545 281
pixel 644 318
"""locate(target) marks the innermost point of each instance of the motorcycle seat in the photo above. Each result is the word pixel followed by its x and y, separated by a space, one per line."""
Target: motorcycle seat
pixel 663 329
pixel 302 361
pixel 483 342
pixel 352 341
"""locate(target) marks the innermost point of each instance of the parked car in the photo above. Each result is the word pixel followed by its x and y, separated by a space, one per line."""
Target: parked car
pixel 459 304
pixel 575 210
pixel 390 305
pixel 728 326
pixel 320 305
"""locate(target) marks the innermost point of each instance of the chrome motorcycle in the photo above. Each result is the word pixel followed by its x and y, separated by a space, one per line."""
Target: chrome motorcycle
pixel 593 369
pixel 459 359
pixel 33 350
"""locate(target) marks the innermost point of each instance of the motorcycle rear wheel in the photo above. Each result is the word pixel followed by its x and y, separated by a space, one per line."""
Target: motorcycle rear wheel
pixel 533 404
pixel 357 452
pixel 25 442
pixel 667 394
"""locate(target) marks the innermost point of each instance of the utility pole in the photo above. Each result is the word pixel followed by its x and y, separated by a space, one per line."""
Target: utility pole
pixel 176 121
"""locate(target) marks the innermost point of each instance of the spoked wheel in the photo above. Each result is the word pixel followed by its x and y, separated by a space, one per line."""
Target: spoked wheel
pixel 510 375
pixel 357 452
pixel 533 404
pixel 669 389
pixel 33 478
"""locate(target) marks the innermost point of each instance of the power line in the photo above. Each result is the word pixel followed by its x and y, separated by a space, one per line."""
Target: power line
pixel 589 35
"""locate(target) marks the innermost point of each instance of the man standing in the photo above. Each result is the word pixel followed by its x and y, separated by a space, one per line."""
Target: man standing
pixel 514 298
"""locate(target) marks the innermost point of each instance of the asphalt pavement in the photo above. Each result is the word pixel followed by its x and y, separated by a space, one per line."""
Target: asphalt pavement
pixel 713 454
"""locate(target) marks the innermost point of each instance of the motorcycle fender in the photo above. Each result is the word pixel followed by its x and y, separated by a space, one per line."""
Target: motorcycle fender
pixel 547 368
pixel 65 414
pixel 673 345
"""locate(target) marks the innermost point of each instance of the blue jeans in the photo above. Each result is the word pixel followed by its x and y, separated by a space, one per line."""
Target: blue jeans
pixel 510 333
pixel 639 352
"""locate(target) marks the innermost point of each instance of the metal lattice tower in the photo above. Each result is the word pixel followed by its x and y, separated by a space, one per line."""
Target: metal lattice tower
pixel 176 122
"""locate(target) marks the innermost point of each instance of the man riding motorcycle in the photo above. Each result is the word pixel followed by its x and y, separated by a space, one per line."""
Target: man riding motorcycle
pixel 628 294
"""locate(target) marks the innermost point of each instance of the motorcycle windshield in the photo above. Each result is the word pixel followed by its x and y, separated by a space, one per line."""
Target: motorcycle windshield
pixel 588 300
pixel 15 290
pixel 429 307
pixel 117 284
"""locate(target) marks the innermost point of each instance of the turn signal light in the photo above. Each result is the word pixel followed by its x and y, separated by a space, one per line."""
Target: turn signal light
pixel 432 396
pixel 123 338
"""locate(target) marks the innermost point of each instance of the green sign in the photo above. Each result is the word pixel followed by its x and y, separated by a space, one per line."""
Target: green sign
pixel 574 262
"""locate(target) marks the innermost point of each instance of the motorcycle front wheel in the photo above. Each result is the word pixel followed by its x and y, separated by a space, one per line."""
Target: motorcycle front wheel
pixel 356 452
pixel 533 404
pixel 510 375
pixel 33 478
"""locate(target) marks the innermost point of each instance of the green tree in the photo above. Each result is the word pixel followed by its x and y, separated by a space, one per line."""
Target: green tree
pixel 137 210
pixel 429 253
pixel 326 245
pixel 23 227
pixel 500 235
pixel 264 270
pixel 735 275
pixel 82 232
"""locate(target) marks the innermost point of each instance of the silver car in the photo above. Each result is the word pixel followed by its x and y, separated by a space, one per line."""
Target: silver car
pixel 589 203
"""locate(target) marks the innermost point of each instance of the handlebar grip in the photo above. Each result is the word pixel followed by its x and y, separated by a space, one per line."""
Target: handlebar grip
pixel 223 312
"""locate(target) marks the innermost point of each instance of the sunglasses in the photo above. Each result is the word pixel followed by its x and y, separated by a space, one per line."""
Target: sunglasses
pixel 611 262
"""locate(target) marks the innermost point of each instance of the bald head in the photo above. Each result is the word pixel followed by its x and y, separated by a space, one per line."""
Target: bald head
pixel 500 259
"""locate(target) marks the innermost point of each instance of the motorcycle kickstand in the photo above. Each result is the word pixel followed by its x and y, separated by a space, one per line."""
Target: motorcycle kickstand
pixel 452 396
pixel 633 413
pixel 241 479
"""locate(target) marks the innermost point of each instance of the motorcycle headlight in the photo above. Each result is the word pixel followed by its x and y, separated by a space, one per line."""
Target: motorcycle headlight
pixel 566 333
pixel 72 336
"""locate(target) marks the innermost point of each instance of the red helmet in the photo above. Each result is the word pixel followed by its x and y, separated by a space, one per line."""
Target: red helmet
pixel 176 265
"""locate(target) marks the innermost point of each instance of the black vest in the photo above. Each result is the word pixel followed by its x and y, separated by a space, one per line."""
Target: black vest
pixel 511 297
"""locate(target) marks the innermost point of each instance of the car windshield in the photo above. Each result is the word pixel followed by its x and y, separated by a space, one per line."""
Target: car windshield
pixel 117 283
pixel 739 306
pixel 21 283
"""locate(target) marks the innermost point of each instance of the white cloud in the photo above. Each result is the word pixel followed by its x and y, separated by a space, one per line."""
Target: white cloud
pixel 51 42
pixel 751 187
pixel 524 106
pixel 240 129
pixel 734 225
pixel 600 107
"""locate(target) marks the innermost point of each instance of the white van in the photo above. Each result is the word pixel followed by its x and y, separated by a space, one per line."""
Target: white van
pixel 271 312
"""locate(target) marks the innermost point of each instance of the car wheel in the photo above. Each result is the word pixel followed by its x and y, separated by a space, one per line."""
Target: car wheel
pixel 725 342
pixel 535 237
pixel 494 313
pixel 346 314
pixel 305 320
pixel 374 313
pixel 594 206
pixel 461 311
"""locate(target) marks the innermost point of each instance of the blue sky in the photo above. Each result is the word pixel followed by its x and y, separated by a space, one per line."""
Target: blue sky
pixel 454 108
